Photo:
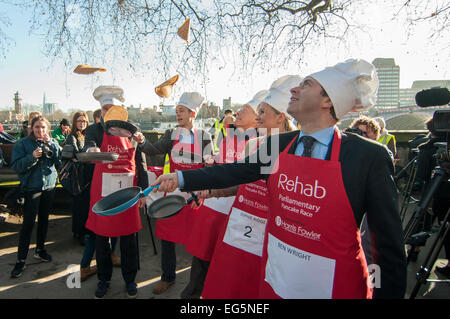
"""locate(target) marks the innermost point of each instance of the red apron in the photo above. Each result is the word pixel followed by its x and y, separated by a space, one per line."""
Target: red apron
pixel 312 247
pixel 176 229
pixel 108 178
pixel 211 217
pixel 233 272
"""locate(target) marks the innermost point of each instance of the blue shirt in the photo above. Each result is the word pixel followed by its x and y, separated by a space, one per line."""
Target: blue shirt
pixel 320 148
pixel 185 138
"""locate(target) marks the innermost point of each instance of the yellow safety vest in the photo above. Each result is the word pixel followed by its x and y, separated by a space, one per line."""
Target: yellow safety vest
pixel 385 139
pixel 166 169
pixel 219 127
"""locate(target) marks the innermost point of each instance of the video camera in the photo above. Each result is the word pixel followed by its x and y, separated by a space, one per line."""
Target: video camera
pixel 441 119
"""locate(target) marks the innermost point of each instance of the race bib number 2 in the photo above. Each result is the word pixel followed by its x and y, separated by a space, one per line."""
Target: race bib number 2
pixel 245 231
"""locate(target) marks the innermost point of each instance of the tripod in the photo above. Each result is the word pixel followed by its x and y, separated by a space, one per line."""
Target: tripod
pixel 424 271
pixel 407 190
pixel 440 174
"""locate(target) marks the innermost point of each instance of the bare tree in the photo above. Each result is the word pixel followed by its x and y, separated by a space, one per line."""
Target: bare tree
pixel 248 35
pixel 5 40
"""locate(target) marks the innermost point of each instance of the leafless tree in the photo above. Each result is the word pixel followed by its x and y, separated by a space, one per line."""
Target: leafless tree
pixel 248 35
pixel 5 40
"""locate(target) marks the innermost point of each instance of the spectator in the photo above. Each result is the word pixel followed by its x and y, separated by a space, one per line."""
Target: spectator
pixel 219 129
pixel 386 138
pixel 367 126
pixel 35 158
pixel 62 131
pixel 24 131
pixel 80 208
pixel 97 115
pixel 31 116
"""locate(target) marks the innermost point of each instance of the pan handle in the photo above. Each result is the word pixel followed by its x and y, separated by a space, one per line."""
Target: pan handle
pixel 148 190
pixel 194 197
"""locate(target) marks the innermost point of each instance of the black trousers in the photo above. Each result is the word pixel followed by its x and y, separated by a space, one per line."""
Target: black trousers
pixel 128 258
pixel 36 203
pixel 199 270
pixel 168 261
pixel 80 212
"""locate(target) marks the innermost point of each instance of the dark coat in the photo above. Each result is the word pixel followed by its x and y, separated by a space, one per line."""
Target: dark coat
pixel 367 172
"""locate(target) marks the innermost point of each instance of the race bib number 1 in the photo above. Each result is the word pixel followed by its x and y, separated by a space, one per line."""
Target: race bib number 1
pixel 112 182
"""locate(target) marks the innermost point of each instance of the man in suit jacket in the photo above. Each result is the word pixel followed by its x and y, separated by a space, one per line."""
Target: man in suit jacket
pixel 365 169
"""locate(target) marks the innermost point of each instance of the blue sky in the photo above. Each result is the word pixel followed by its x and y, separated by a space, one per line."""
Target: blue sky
pixel 25 69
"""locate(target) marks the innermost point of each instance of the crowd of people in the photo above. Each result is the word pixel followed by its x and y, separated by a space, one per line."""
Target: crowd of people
pixel 282 207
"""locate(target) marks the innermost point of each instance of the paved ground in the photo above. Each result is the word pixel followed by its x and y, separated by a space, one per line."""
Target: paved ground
pixel 49 280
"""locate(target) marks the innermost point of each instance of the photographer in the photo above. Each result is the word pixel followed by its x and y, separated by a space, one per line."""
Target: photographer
pixel 35 158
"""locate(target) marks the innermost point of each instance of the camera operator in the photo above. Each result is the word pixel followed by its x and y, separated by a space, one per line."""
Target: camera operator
pixel 35 158
pixel 426 162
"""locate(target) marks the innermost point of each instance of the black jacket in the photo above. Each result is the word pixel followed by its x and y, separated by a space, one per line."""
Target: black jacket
pixel 367 172
pixel 94 138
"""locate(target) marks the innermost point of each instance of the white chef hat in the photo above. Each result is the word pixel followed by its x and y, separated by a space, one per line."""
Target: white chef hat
pixel 351 85
pixel 280 92
pixel 109 94
pixel 254 102
pixel 191 100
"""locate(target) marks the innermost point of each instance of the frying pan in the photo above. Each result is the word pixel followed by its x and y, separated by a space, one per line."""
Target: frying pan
pixel 96 156
pixel 166 207
pixel 120 128
pixel 120 200
pixel 123 199
pixel 169 206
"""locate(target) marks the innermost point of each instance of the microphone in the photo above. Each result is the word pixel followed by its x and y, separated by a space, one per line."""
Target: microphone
pixel 433 97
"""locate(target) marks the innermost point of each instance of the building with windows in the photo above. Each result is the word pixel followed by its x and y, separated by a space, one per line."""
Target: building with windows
pixel 407 97
pixel 389 82
pixel 226 103
pixel 48 108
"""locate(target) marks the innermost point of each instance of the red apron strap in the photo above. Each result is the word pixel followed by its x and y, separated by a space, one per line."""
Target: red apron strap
pixel 286 150
pixel 336 146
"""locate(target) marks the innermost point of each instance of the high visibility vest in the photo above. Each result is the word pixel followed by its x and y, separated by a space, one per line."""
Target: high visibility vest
pixel 385 139
pixel 166 169
pixel 219 127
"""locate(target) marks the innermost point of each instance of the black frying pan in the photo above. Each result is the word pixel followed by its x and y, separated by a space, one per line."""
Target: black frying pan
pixel 120 128
pixel 169 206
pixel 87 157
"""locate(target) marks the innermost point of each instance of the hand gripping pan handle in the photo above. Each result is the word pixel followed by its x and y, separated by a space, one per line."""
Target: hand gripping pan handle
pixel 120 200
